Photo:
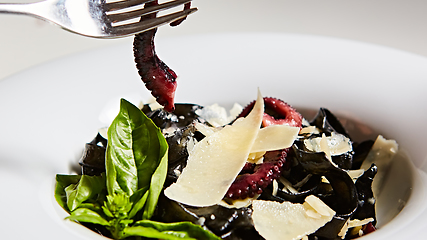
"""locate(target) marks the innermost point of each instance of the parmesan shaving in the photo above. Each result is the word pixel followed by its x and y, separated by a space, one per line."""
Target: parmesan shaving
pixel 152 103
pixel 355 174
pixel 238 203
pixel 257 157
pixel 382 152
pixel 216 161
pixel 334 145
pixel 217 116
pixel 204 129
pixel 309 130
pixel 290 221
pixel 355 223
pixel 275 137
pixel 318 205
pixel 275 187
pixel 287 186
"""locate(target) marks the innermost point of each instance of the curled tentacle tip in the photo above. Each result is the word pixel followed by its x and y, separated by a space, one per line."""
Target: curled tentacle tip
pixel 157 76
pixel 169 107
pixel 254 181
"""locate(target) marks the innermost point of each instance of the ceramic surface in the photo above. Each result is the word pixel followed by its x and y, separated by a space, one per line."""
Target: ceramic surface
pixel 49 112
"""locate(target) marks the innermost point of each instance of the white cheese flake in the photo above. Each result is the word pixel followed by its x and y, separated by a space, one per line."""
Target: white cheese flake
pixel 217 116
pixel 324 147
pixel 155 105
pixel 334 145
pixel 309 130
pixel 290 221
pixel 169 131
pixel 353 224
pixel 103 132
pixel 190 145
pixel 238 203
pixel 152 104
pixel 275 137
pixel 318 205
pixel 355 174
pixel 216 161
pixel 275 187
pixel 256 157
pixel 287 186
pixel 205 129
pixel 381 153
pixel 305 123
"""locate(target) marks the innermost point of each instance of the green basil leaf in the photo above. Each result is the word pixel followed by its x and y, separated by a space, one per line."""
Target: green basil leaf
pixel 136 155
pixel 87 216
pixel 87 188
pixel 63 181
pixel 169 231
pixel 121 169
pixel 96 207
pixel 117 205
pixel 136 167
pixel 153 233
pixel 139 199
pixel 157 181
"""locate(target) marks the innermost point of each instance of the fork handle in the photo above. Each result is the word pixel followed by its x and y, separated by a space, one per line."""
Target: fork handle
pixel 31 9
pixel 15 8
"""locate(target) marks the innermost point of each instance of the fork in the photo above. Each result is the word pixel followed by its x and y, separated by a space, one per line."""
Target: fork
pixel 98 18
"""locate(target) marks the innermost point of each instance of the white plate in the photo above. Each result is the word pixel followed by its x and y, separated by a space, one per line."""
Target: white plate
pixel 51 111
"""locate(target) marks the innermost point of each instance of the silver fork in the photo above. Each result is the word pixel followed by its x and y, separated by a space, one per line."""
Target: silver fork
pixel 98 18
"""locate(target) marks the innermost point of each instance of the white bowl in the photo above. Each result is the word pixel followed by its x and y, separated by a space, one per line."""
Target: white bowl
pixel 50 112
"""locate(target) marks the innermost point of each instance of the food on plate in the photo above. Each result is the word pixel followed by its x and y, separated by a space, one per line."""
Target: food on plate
pixel 265 172
pixel 186 171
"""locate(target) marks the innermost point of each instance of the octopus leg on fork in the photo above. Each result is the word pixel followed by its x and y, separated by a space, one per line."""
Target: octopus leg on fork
pixel 157 76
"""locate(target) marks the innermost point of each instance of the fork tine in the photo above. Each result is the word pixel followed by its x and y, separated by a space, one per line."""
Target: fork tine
pixel 123 4
pixel 140 12
pixel 135 28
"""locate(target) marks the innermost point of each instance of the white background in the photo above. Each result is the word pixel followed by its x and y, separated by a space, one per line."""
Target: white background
pixel 26 42
pixel 401 24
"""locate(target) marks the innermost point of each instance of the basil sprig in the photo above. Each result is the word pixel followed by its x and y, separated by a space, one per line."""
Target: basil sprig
pixel 124 199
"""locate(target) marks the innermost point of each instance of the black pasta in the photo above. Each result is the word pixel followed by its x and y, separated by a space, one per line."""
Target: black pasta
pixel 310 173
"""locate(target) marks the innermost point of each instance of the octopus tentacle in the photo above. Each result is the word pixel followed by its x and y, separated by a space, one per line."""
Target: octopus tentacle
pixel 250 184
pixel 179 21
pixel 157 76
pixel 248 168
pixel 253 179
pixel 276 112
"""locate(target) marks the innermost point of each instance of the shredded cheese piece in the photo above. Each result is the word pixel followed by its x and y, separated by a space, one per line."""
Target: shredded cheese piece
pixel 216 161
pixel 290 221
pixel 355 223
